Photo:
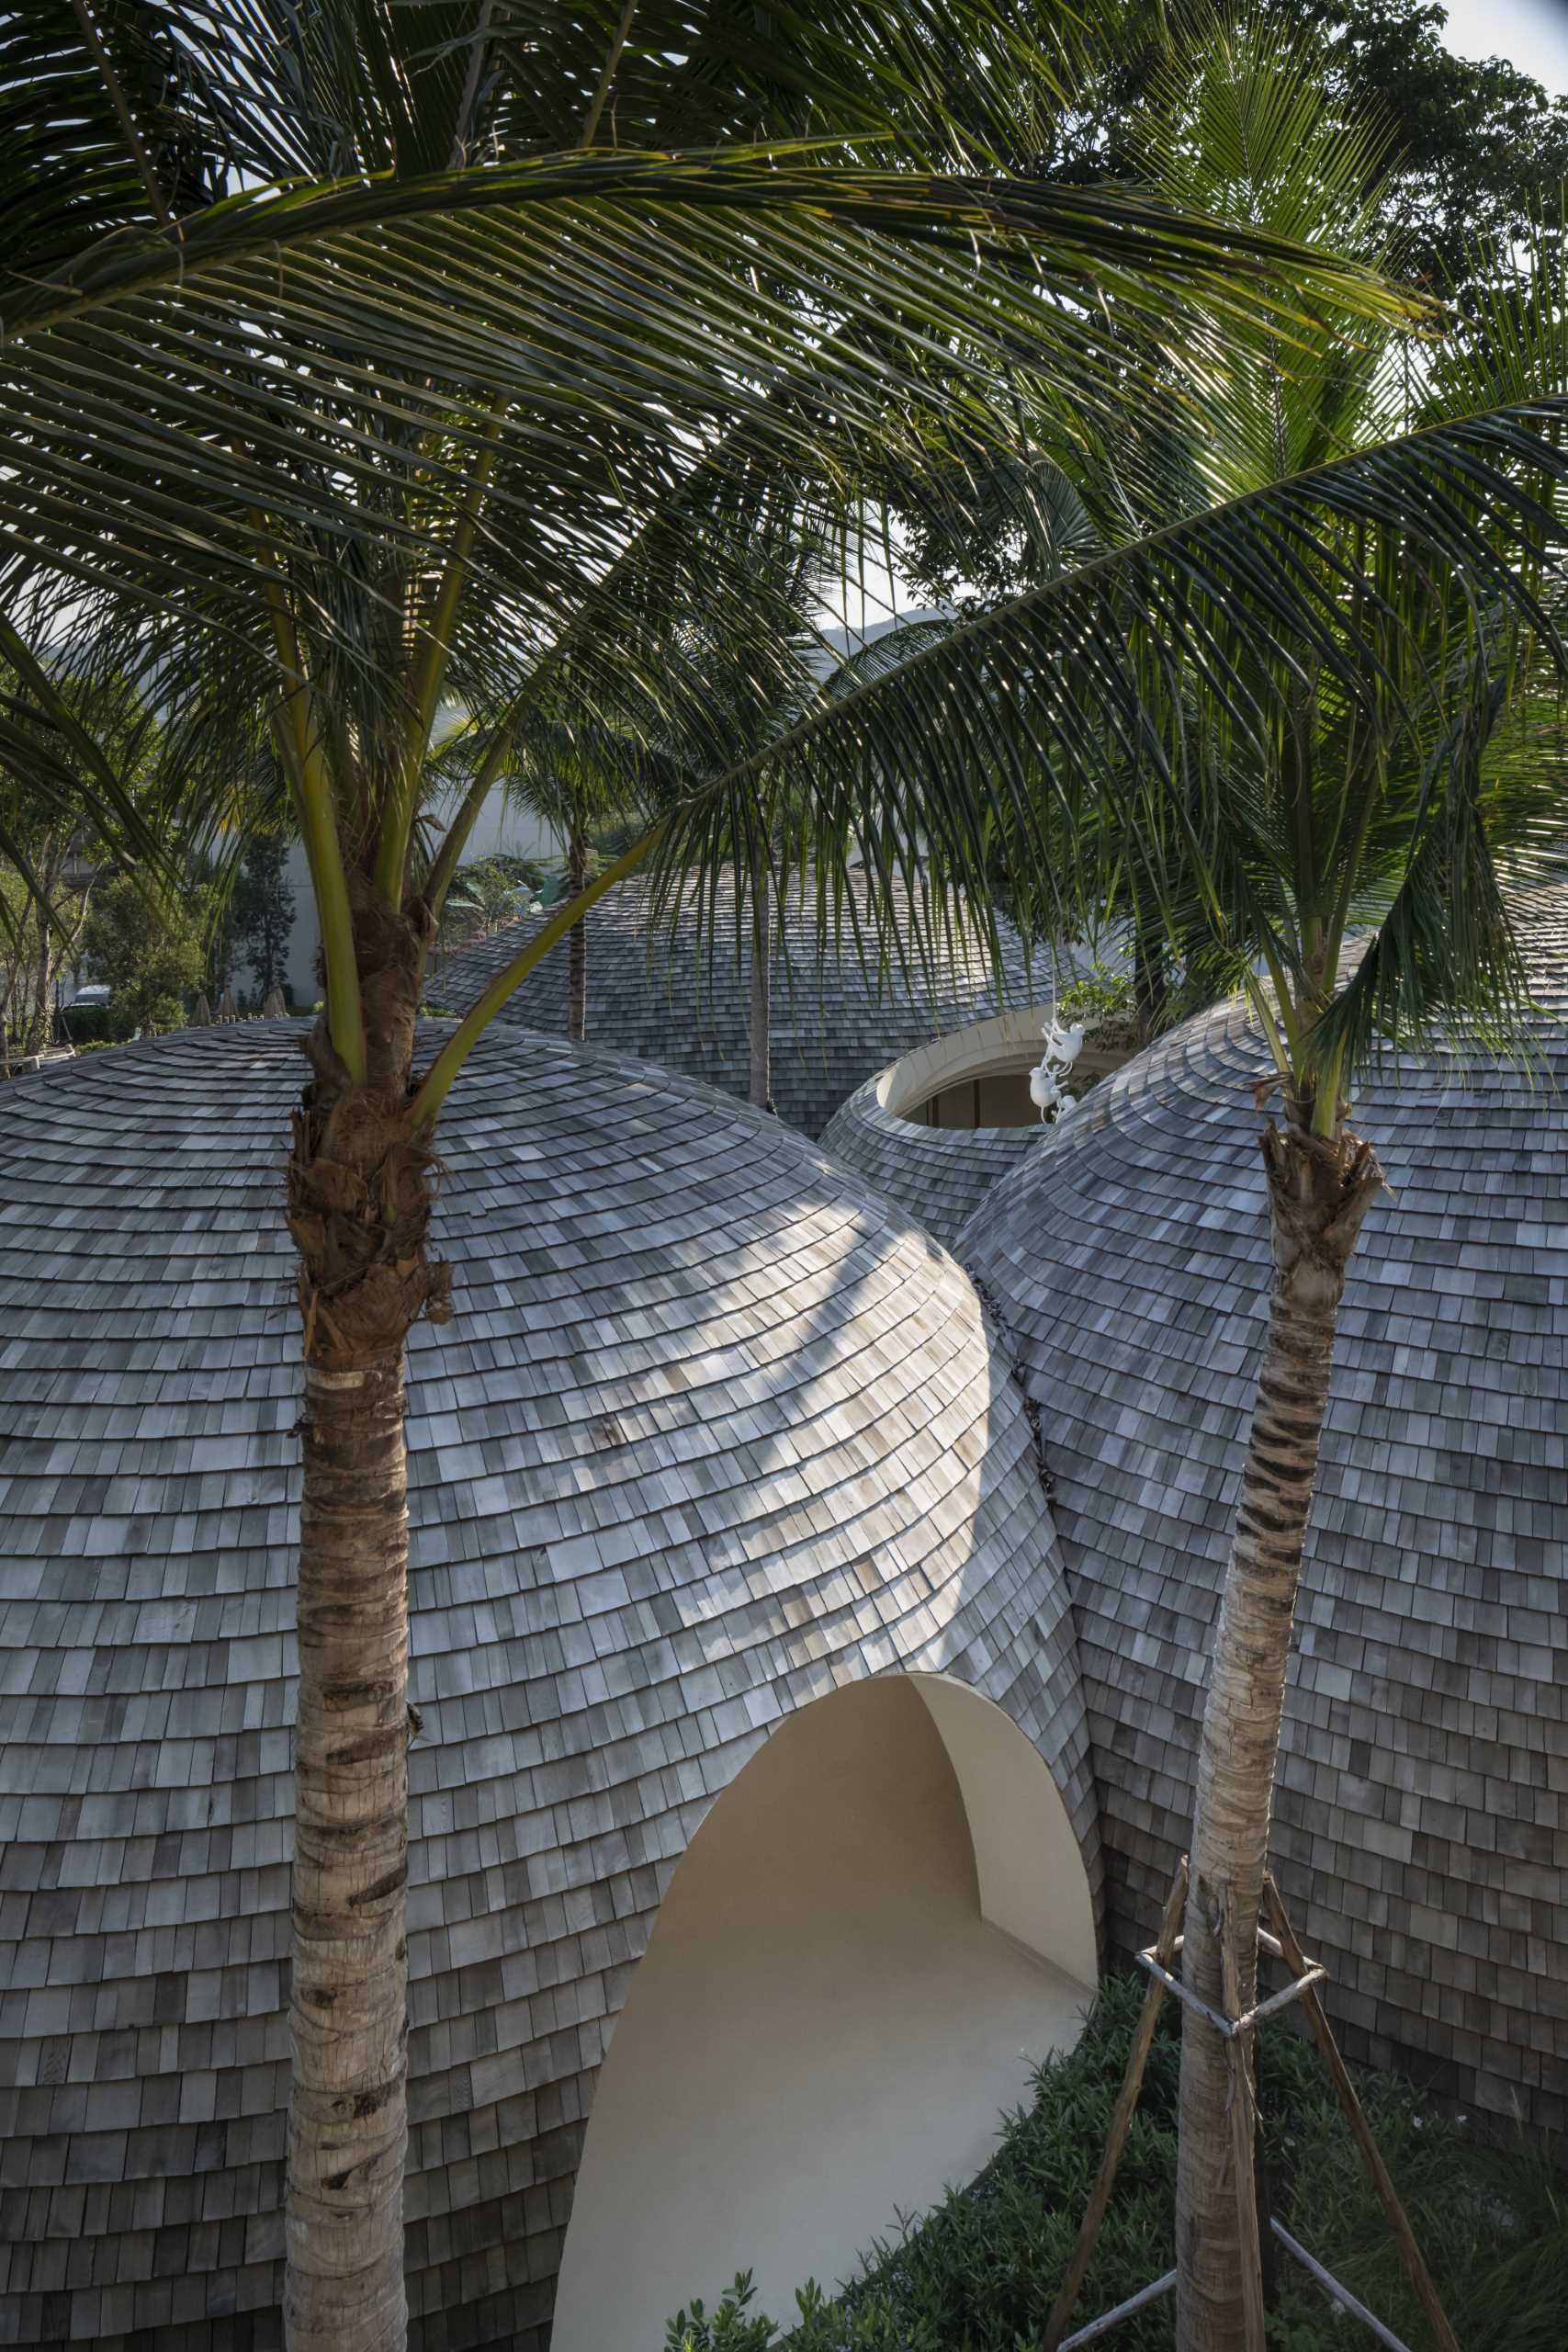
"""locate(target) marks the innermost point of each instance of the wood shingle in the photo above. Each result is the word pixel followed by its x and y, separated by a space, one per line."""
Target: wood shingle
pixel 714 1433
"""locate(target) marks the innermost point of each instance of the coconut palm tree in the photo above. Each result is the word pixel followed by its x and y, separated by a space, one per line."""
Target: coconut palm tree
pixel 1401 818
pixel 585 778
pixel 356 358
pixel 1342 766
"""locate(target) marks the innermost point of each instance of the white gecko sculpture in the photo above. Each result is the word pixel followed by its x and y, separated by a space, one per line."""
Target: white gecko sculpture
pixel 1046 1088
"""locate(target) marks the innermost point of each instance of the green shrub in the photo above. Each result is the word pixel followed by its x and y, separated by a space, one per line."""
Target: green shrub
pixel 979 2273
pixel 1100 994
pixel 492 891
pixel 85 1024
pixel 729 2329
pixel 866 2324
pixel 1102 1001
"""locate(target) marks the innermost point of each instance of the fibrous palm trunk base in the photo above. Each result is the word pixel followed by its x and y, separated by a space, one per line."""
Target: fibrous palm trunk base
pixel 1319 1192
pixel 359 1205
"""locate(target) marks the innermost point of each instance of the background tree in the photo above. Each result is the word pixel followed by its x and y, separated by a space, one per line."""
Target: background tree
pixel 154 953
pixel 1474 149
pixel 38 938
pixel 261 912
pixel 65 745
pixel 1462 162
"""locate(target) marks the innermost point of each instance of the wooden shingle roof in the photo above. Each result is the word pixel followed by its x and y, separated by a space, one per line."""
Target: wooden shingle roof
pixel 678 993
pixel 713 1433
pixel 1421 1819
pixel 940 1175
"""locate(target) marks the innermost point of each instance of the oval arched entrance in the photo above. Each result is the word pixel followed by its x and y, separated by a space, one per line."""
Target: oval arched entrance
pixel 883 1921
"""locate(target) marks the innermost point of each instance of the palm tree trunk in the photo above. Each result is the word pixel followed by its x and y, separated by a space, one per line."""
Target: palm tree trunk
pixel 761 1090
pixel 576 942
pixel 37 1023
pixel 38 1034
pixel 1319 1192
pixel 7 993
pixel 348 2123
pixel 359 1205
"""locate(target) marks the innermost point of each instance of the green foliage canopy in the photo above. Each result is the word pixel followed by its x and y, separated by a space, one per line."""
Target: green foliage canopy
pixel 153 954
pixel 1474 149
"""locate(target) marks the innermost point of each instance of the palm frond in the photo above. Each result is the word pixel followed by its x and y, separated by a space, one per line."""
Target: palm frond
pixel 1388 586
pixel 313 359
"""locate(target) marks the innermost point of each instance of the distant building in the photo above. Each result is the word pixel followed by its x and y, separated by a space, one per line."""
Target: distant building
pixel 516 832
pixel 500 831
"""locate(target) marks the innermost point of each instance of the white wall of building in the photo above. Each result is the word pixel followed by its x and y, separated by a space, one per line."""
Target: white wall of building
pixel 879 1926
pixel 498 830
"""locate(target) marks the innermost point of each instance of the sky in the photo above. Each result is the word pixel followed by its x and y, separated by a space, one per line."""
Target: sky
pixel 1532 34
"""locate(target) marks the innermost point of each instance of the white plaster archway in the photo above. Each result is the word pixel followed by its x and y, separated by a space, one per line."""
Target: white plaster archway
pixel 1031 1880
pixel 879 1926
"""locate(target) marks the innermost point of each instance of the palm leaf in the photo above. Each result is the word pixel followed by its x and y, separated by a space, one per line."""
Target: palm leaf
pixel 1013 731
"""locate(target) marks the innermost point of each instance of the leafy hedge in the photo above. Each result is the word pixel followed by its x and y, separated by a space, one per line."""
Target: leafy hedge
pixel 979 2274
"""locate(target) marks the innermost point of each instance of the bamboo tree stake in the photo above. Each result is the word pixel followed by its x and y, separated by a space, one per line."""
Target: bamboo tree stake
pixel 1116 2139
pixel 1244 2146
pixel 1398 2221
pixel 1239 2029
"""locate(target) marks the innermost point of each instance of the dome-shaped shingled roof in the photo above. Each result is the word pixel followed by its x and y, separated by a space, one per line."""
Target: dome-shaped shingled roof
pixel 940 1174
pixel 675 993
pixel 1421 1821
pixel 712 1434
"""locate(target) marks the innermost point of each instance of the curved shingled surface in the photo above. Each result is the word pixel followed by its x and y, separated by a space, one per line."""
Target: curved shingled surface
pixel 940 1175
pixel 673 996
pixel 713 1433
pixel 1421 1831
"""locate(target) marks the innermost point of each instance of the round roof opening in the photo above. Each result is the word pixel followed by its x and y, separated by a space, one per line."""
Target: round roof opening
pixel 935 1129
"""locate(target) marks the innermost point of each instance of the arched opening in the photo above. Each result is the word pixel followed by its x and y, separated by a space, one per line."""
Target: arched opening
pixel 977 1078
pixel 880 1925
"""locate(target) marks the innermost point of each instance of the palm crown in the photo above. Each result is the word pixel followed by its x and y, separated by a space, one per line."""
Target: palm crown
pixel 343 341
pixel 1336 719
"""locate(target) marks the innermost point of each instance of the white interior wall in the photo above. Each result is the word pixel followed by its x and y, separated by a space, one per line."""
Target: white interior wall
pixel 1030 1876
pixel 825 2029
pixel 497 828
